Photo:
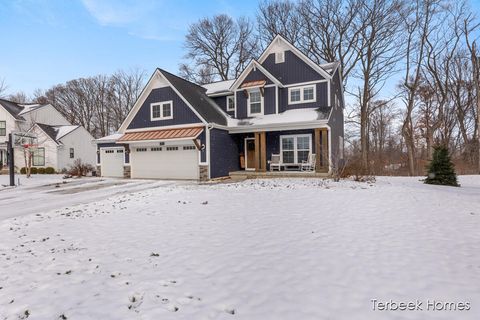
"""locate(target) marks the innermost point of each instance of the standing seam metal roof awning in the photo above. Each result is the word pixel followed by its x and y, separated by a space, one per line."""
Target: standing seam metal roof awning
pixel 168 134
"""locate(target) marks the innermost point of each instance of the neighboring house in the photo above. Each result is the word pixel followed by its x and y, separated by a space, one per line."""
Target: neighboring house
pixel 59 142
pixel 282 104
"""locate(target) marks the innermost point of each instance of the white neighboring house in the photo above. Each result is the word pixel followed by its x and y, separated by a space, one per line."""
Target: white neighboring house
pixel 59 142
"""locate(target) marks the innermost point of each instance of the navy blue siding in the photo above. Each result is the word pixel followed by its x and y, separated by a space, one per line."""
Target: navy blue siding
pixel 322 99
pixel 224 155
pixel 336 119
pixel 241 105
pixel 256 75
pixel 293 70
pixel 222 103
pixel 269 100
pixel 182 114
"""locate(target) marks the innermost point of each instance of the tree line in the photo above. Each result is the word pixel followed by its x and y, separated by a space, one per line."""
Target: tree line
pixel 411 74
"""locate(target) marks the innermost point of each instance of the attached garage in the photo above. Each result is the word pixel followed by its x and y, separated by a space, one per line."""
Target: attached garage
pixel 164 162
pixel 112 161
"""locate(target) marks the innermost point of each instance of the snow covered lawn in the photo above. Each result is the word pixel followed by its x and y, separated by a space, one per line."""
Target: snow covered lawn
pixel 259 249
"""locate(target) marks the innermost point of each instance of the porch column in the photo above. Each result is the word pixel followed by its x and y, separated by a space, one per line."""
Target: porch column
pixel 321 150
pixel 260 152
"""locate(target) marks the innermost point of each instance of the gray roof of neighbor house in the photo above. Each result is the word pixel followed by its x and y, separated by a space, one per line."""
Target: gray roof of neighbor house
pixel 13 108
pixel 198 99
pixel 56 132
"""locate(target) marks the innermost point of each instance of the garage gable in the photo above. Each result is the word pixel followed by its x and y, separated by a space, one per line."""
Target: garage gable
pixel 181 112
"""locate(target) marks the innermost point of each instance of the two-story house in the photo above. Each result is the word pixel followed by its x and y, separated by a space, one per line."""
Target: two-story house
pixel 280 111
pixel 58 142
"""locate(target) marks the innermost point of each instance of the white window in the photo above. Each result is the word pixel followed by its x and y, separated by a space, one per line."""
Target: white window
pixel 141 149
pixel 3 128
pixel 161 110
pixel 172 148
pixel 189 147
pixel 72 153
pixel 230 103
pixel 255 102
pixel 295 149
pixel 156 149
pixel 302 94
pixel 39 157
pixel 280 57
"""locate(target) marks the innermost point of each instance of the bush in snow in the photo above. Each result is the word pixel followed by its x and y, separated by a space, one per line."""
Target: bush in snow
pixel 49 170
pixel 79 168
pixel 441 170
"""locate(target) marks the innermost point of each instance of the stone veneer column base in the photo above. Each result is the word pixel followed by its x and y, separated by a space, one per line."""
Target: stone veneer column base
pixel 126 172
pixel 203 172
pixel 99 171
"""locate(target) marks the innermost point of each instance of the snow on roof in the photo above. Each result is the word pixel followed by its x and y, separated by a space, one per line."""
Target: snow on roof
pixel 62 131
pixel 289 116
pixel 219 86
pixel 112 137
pixel 30 107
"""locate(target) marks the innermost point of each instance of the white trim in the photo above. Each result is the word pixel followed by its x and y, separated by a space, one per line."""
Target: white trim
pixel 279 127
pixel 295 149
pixel 235 113
pixel 276 99
pixel 302 97
pixel 262 98
pixel 228 104
pixel 207 156
pixel 176 126
pixel 300 54
pixel 246 155
pixel 162 105
pixel 279 57
pixel 246 71
pixel 328 94
pixel 305 83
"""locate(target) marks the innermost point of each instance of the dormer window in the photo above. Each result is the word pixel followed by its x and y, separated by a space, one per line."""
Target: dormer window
pixel 255 102
pixel 231 103
pixel 304 94
pixel 161 110
pixel 280 57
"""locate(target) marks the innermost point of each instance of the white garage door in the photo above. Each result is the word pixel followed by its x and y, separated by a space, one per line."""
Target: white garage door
pixel 112 162
pixel 165 162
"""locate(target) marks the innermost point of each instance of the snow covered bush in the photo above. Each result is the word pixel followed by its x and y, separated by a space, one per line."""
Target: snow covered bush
pixel 441 170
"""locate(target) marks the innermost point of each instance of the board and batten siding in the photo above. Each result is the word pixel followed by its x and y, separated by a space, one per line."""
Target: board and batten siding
pixel 221 101
pixel 224 155
pixel 182 114
pixel 293 70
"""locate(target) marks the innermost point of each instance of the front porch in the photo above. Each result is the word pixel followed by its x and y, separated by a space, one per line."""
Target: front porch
pixel 240 175
pixel 287 153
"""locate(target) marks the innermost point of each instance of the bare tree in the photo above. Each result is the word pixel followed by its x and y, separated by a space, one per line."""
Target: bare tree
pixel 418 23
pixel 470 26
pixel 3 87
pixel 380 51
pixel 331 31
pixel 279 17
pixel 218 48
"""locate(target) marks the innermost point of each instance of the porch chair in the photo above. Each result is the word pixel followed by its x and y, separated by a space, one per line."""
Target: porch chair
pixel 275 162
pixel 309 164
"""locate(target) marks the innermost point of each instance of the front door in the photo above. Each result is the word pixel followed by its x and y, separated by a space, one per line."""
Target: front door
pixel 250 153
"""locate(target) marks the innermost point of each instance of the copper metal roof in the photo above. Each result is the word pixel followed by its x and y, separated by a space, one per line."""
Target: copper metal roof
pixel 181 133
pixel 258 83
